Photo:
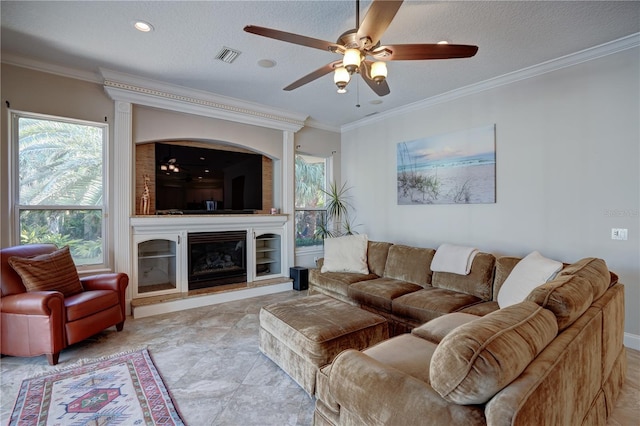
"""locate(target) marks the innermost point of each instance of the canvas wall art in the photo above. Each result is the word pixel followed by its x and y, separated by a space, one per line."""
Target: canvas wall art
pixel 453 168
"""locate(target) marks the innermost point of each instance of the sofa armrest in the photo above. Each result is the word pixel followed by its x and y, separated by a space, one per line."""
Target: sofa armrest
pixel 379 394
pixel 33 303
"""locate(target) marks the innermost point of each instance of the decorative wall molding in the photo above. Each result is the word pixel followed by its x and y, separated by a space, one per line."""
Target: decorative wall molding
pixel 592 53
pixel 136 90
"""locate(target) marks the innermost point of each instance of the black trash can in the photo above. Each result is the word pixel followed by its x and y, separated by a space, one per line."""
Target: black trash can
pixel 300 277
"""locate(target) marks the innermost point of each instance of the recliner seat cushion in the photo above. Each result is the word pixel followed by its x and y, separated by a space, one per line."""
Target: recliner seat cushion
pixel 88 303
pixel 478 359
pixel 429 303
pixel 380 292
pixel 337 282
pixel 49 272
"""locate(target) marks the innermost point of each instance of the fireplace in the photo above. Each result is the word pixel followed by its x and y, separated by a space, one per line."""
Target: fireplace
pixel 217 258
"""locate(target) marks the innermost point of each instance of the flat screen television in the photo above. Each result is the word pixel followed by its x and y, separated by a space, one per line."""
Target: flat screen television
pixel 193 180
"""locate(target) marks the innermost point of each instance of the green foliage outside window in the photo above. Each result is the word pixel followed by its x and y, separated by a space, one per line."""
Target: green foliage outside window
pixel 61 186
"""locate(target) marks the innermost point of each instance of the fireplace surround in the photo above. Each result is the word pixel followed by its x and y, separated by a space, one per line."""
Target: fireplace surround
pixel 216 258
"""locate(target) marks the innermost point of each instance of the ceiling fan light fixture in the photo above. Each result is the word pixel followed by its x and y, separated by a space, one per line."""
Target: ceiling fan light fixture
pixel 163 167
pixel 351 60
pixel 378 71
pixel 341 78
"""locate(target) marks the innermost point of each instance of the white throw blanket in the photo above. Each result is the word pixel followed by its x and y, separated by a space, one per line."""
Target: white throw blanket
pixel 454 259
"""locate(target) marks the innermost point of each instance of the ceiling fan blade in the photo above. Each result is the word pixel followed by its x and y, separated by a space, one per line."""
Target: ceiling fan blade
pixel 410 52
pixel 292 38
pixel 382 88
pixel 377 20
pixel 313 75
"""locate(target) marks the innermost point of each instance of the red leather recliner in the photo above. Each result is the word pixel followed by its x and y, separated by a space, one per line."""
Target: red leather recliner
pixel 45 322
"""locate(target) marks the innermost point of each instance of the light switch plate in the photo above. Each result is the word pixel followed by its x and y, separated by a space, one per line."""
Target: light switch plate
pixel 619 234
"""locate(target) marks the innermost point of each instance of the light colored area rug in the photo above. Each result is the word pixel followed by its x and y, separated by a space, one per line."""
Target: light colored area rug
pixel 123 389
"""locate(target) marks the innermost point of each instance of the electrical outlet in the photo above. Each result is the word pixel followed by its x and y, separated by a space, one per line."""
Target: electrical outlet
pixel 619 234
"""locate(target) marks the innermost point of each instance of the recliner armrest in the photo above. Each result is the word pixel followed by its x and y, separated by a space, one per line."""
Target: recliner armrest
pixel 33 303
pixel 114 281
pixel 378 394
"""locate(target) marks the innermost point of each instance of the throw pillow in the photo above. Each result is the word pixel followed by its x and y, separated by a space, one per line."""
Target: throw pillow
pixel 529 273
pixel 478 359
pixel 48 272
pixel 346 254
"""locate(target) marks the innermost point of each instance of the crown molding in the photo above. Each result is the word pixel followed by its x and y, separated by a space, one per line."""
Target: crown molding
pixel 321 126
pixel 129 88
pixel 619 45
pixel 62 71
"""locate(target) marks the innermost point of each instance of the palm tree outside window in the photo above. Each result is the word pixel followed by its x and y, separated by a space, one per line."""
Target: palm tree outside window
pixel 310 215
pixel 59 189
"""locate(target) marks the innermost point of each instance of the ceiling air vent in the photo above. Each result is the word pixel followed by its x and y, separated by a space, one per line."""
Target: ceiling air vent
pixel 227 55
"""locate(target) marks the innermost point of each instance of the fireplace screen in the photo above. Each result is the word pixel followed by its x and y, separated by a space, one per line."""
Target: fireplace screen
pixel 217 258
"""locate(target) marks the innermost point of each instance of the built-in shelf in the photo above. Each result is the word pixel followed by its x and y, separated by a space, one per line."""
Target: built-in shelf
pixel 161 255
pixel 268 255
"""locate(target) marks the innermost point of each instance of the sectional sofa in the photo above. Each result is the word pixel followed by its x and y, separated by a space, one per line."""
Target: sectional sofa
pixel 457 358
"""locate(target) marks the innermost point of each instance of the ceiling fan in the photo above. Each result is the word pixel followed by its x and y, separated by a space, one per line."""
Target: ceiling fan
pixel 360 44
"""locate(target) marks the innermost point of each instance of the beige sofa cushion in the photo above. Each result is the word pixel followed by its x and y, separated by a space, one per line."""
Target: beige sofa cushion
pixel 504 266
pixel 477 283
pixel 410 264
pixel 436 329
pixel 377 253
pixel 476 360
pixel 574 289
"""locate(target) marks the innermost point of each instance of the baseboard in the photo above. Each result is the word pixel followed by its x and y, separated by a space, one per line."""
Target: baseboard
pixel 632 341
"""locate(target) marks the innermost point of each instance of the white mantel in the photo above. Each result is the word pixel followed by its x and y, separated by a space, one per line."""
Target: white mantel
pixel 206 223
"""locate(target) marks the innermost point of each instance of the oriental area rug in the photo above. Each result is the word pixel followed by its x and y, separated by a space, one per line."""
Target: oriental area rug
pixel 124 389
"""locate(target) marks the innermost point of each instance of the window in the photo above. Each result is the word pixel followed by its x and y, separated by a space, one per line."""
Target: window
pixel 311 180
pixel 59 189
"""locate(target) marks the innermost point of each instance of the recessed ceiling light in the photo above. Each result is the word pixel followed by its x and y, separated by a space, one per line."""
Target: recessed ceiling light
pixel 143 26
pixel 443 42
pixel 376 102
pixel 267 63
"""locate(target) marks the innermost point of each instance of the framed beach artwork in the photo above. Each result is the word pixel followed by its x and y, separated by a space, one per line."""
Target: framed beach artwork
pixel 453 168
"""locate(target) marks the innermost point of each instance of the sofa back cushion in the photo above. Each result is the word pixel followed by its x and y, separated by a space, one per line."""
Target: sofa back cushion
pixel 478 283
pixel 571 293
pixel 377 256
pixel 410 264
pixel 478 359
pixel 504 266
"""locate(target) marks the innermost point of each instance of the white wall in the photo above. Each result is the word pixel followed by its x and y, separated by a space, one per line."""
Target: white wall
pixel 567 147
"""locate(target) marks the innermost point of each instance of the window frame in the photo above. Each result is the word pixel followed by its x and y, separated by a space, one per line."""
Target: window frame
pixel 14 182
pixel 328 175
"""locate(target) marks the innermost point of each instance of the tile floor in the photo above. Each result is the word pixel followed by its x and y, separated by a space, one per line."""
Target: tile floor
pixel 210 362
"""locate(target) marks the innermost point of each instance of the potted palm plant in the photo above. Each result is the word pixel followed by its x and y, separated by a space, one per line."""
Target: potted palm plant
pixel 338 221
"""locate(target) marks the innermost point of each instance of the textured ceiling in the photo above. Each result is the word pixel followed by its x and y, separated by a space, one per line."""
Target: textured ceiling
pixel 181 50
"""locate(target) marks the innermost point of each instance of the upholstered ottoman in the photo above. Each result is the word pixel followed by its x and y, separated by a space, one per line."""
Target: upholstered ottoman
pixel 303 335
